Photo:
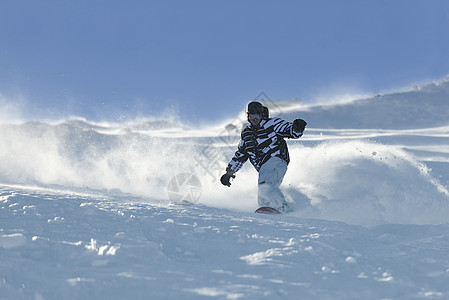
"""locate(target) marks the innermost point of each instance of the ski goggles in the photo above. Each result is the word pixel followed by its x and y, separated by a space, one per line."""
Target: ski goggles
pixel 254 116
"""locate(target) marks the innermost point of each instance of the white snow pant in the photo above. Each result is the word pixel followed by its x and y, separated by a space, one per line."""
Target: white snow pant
pixel 271 175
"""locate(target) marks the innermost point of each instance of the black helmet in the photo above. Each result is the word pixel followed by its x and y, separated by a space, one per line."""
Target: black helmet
pixel 266 112
pixel 255 107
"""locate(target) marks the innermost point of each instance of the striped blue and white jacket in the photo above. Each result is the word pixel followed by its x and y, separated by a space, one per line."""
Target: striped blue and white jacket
pixel 260 143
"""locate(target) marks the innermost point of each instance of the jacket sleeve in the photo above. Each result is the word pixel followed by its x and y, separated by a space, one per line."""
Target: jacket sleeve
pixel 285 129
pixel 240 157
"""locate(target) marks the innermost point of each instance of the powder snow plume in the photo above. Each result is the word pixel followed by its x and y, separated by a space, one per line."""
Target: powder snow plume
pixel 354 181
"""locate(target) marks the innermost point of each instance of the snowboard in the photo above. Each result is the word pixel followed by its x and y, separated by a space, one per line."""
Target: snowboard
pixel 267 210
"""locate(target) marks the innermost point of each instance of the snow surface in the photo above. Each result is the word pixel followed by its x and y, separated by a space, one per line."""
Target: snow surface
pixel 87 210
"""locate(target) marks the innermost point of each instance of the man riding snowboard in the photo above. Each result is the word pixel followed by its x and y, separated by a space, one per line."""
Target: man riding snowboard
pixel 262 141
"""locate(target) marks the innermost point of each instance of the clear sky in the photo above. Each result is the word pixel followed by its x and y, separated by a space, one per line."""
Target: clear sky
pixel 205 59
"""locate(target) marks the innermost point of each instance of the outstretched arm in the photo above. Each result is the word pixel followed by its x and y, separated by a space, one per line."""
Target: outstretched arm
pixel 289 130
pixel 236 163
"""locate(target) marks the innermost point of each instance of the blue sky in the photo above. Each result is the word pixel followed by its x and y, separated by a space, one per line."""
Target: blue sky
pixel 114 60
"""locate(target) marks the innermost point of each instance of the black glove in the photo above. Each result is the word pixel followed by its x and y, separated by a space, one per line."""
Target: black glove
pixel 299 125
pixel 225 179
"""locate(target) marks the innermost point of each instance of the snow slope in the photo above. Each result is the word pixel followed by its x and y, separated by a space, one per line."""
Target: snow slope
pixel 87 209
pixel 421 107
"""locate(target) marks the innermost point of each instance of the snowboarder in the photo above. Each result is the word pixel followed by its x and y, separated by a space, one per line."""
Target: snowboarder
pixel 262 141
